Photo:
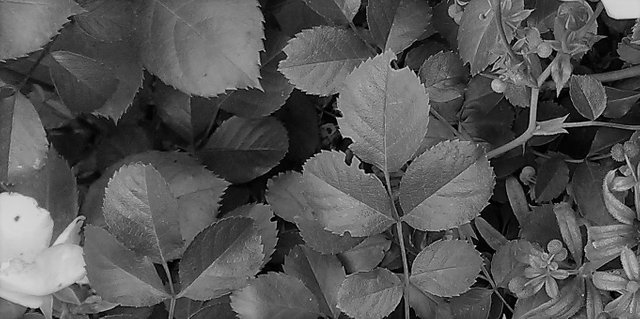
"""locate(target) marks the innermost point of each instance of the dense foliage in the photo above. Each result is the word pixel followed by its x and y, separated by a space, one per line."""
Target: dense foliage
pixel 319 158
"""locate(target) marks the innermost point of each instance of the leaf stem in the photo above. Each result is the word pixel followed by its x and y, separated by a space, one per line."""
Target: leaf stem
pixel 603 124
pixel 496 6
pixel 172 304
pixel 403 249
pixel 495 288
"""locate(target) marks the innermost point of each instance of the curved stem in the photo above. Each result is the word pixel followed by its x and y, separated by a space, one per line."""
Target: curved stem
pixel 522 139
pixel 602 124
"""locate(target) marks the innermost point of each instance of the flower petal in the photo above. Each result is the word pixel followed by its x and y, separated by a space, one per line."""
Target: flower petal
pixel 22 299
pixel 622 9
pixel 25 228
pixel 55 268
pixel 630 263
pixel 71 234
pixel 608 281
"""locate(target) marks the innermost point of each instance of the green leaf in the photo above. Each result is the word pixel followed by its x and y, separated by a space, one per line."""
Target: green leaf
pixel 322 240
pixel 569 229
pixel 552 179
pixel 119 275
pixel 446 268
pixel 23 141
pixel 478 36
pixel 338 12
pixel 444 76
pixel 619 102
pixel 370 295
pixel 343 198
pixel 221 259
pixel 106 20
pixel 492 236
pixel 176 110
pixel 541 226
pixel 571 299
pixel 84 84
pixel 366 255
pixel 427 305
pixel 199 47
pixel 243 149
pixel 319 59
pixel 142 213
pixel 284 194
pixel 322 274
pixel 396 24
pixel 386 112
pixel 261 215
pixel 509 261
pixel 615 206
pixel 630 264
pixel 28 25
pixel 446 187
pixel 473 304
pixel 588 96
pixel 275 296
pixel 586 185
pixel 517 199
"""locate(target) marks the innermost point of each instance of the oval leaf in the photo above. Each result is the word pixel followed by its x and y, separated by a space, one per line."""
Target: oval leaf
pixel 386 112
pixel 319 59
pixel 220 259
pixel 242 149
pixel 258 301
pixel 322 240
pixel 447 186
pixel 588 96
pixel 446 268
pixel 199 47
pixel 552 179
pixel 344 198
pixel 284 194
pixel 396 24
pixel 370 295
pixel 261 215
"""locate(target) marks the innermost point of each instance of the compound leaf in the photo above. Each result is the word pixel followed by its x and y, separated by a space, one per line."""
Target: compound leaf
pixel 199 47
pixel 386 112
pixel 370 295
pixel 446 186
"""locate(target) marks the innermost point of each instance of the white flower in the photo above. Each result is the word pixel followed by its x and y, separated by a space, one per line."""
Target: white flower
pixel 30 269
pixel 622 9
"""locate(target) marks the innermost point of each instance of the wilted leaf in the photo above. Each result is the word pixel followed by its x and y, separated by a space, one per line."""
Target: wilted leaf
pixel 242 149
pixel 322 274
pixel 370 295
pixel 142 213
pixel 396 24
pixel 199 47
pixel 261 215
pixel 444 76
pixel 28 25
pixel 338 12
pixel 366 255
pixel 552 179
pixel 345 199
pixel 221 259
pixel 23 141
pixel 319 59
pixel 84 84
pixel 447 186
pixel 446 268
pixel 588 96
pixel 106 20
pixel 292 299
pixel 118 274
pixel 386 112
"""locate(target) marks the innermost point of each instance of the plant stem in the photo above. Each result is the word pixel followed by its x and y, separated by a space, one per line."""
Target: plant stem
pixel 495 288
pixel 403 249
pixel 616 75
pixel 603 124
pixel 522 139
pixel 496 6
pixel 172 304
pixel 445 122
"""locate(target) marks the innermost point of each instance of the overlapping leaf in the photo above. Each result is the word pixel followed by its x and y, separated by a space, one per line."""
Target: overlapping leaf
pixel 366 255
pixel 324 241
pixel 142 213
pixel 370 295
pixel 447 186
pixel 242 149
pixel 552 179
pixel 588 96
pixel 319 59
pixel 258 300
pixel 396 24
pixel 107 20
pixel 28 25
pixel 444 76
pixel 446 268
pixel 338 12
pixel 118 274
pixel 23 141
pixel 261 215
pixel 199 47
pixel 386 112
pixel 221 258
pixel 345 199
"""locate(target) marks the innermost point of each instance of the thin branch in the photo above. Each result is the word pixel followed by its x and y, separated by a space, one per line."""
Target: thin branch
pixel 372 49
pixel 172 304
pixel 496 6
pixel 522 139
pixel 602 124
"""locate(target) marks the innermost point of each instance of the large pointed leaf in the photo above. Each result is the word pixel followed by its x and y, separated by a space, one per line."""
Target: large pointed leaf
pixel 199 46
pixel 370 295
pixel 275 296
pixel 118 274
pixel 386 112
pixel 446 268
pixel 396 24
pixel 261 215
pixel 319 59
pixel 242 149
pixel 23 141
pixel 344 198
pixel 588 96
pixel 322 274
pixel 447 186
pixel 84 84
pixel 220 259
pixel 142 213
pixel 27 25
pixel 339 12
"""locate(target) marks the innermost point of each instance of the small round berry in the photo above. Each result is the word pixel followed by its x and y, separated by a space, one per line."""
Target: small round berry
pixel 554 246
pixel 544 50
pixel 516 284
pixel 498 86
pixel 561 255
pixel 631 149
pixel 617 153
